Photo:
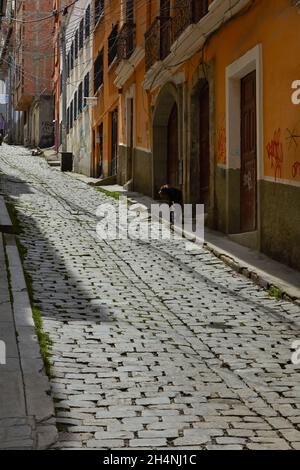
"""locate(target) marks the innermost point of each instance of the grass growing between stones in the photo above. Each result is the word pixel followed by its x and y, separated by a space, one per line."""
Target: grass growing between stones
pixel 114 194
pixel 275 292
pixel 43 337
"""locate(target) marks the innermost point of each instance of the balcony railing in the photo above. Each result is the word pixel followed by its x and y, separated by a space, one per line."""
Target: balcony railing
pixel 126 41
pixel 187 12
pixel 164 31
pixel 158 40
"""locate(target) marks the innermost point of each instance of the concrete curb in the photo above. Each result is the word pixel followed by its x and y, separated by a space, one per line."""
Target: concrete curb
pixel 36 386
pixel 259 277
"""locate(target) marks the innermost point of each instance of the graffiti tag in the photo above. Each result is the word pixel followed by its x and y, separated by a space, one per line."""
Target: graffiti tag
pixel 296 169
pixel 221 145
pixel 275 153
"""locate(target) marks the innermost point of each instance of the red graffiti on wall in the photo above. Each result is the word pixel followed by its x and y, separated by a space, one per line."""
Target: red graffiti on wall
pixel 275 153
pixel 221 145
pixel 296 169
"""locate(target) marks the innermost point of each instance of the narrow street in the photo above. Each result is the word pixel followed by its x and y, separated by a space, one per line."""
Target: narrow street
pixel 153 346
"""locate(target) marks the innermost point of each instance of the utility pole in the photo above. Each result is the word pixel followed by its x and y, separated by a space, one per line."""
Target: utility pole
pixel 64 76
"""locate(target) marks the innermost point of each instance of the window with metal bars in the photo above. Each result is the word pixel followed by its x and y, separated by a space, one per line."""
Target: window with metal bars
pixel 86 87
pixel 68 120
pixel 81 34
pixel 88 22
pixel 76 44
pixel 112 44
pixel 71 114
pixel 72 56
pixel 75 106
pixel 129 11
pixel 98 70
pixel 80 98
pixel 99 9
pixel 68 64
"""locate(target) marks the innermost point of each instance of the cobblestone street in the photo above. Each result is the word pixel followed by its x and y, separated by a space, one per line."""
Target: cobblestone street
pixel 153 346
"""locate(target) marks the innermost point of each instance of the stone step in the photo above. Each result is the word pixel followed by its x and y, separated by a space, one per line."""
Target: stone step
pixel 54 163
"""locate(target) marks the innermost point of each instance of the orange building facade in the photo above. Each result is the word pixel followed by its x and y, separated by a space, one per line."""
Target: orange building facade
pixel 105 115
pixel 208 102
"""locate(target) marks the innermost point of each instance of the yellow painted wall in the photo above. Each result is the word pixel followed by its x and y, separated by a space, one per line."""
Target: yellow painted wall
pixel 274 24
pixel 142 10
pixel 108 94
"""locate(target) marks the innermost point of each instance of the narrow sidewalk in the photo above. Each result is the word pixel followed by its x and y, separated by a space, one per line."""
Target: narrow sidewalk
pixel 263 270
pixel 27 419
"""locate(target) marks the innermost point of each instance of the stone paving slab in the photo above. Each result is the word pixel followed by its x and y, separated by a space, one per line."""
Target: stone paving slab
pixel 153 346
pixel 253 264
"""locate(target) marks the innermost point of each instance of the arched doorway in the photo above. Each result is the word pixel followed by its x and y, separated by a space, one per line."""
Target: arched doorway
pixel 167 140
pixel 201 158
pixel 173 160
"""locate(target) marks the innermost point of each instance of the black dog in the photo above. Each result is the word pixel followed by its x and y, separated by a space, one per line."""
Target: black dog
pixel 170 195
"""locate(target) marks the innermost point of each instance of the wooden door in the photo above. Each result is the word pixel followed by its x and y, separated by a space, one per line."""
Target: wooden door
pixel 173 153
pixel 204 145
pixel 114 142
pixel 130 140
pixel 248 154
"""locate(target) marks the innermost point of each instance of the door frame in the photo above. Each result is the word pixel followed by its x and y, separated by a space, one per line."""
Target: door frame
pixel 130 98
pixel 168 96
pixel 114 145
pixel 170 158
pixel 250 62
pixel 201 75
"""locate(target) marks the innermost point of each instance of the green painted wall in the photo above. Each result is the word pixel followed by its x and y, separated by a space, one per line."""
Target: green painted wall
pixel 280 218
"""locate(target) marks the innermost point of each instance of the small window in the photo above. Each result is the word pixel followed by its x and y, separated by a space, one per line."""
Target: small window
pixel 99 9
pixel 80 104
pixel 113 44
pixel 71 114
pixel 68 120
pixel 72 56
pixel 76 44
pixel 86 87
pixel 88 22
pixel 98 71
pixel 68 63
pixel 81 34
pixel 75 106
